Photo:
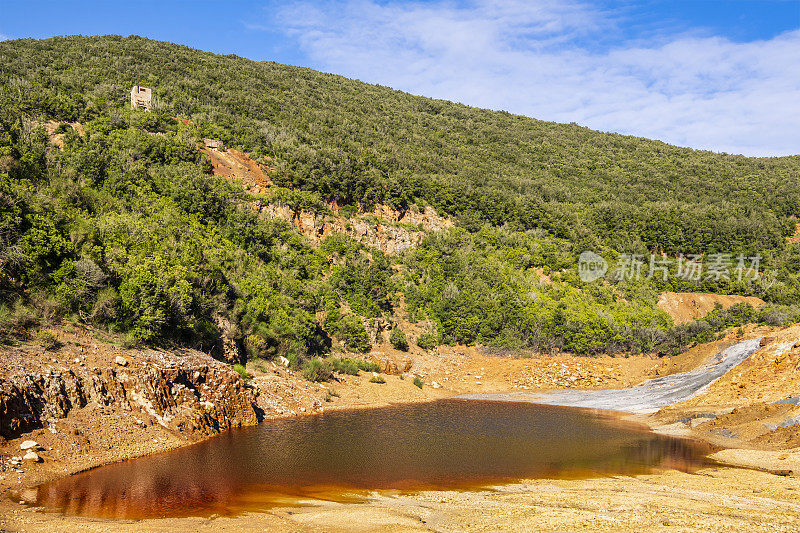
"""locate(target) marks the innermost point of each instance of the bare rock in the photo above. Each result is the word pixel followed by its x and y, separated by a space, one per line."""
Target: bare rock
pixel 391 365
pixel 694 422
pixel 29 445
pixel 199 394
pixel 32 456
pixel 404 364
pixel 121 361
pixel 380 229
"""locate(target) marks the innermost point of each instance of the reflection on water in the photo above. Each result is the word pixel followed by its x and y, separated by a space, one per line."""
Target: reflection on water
pixel 444 444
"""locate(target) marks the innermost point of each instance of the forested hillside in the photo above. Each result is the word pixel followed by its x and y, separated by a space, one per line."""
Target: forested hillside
pixel 126 228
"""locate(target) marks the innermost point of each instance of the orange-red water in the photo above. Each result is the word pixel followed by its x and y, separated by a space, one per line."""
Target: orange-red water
pixel 343 455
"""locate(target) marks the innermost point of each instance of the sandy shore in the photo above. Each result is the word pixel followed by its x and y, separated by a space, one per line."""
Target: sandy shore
pixel 713 499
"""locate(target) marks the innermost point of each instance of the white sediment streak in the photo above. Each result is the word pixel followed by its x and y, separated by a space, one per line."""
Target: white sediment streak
pixel 647 397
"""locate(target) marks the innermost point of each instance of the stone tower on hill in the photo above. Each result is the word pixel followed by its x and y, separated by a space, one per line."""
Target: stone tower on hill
pixel 141 97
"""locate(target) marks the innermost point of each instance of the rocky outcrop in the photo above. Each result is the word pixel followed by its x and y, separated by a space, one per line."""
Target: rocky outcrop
pixel 391 364
pixel 388 230
pixel 384 228
pixel 183 393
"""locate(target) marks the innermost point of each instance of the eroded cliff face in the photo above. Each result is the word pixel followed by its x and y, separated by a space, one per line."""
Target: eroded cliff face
pixel 190 393
pixel 384 228
pixel 388 230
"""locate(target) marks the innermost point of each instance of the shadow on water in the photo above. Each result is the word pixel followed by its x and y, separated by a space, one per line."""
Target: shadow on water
pixel 342 455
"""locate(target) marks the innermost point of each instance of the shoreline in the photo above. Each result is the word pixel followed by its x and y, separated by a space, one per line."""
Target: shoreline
pixel 631 421
pixel 644 420
pixel 96 435
pixel 180 445
pixel 559 503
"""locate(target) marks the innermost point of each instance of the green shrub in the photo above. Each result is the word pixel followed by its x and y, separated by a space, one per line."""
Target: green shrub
pixel 242 372
pixel 398 339
pixel 427 341
pixel 345 366
pixel 351 366
pixel 255 346
pixel 377 379
pixel 318 370
pixel 16 320
pixel 131 341
pixel 48 339
pixel 352 332
pixel 368 366
pixel 418 381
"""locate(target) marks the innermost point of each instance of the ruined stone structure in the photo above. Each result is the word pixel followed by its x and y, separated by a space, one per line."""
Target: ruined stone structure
pixel 213 144
pixel 141 97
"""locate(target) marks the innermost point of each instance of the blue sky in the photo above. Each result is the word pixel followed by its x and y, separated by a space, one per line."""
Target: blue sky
pixel 719 75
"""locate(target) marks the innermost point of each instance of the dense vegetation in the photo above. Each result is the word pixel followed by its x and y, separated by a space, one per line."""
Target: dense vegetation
pixel 126 228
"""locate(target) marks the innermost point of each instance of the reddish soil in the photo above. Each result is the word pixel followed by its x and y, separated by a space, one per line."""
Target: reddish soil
pixel 235 165
pixel 687 306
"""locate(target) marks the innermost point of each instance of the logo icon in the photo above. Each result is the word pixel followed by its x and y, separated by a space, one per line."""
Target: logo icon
pixel 591 266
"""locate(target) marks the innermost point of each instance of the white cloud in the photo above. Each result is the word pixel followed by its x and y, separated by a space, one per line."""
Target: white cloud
pixel 543 59
pixel 4 37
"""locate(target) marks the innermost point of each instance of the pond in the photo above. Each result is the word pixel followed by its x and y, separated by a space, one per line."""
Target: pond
pixel 343 455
